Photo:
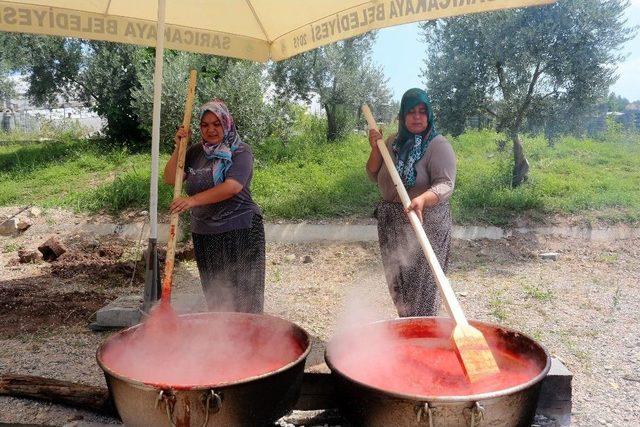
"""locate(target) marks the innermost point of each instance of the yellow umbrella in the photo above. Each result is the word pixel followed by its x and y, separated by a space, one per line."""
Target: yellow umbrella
pixel 258 30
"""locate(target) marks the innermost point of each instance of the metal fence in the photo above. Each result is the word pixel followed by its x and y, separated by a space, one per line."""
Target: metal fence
pixel 42 120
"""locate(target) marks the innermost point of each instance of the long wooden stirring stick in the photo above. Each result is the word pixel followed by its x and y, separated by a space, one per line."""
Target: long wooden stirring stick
pixel 177 191
pixel 471 346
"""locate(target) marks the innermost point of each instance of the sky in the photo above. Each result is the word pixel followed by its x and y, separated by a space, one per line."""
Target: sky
pixel 401 54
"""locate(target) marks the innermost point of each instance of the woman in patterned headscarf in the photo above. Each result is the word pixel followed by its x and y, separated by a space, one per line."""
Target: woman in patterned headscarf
pixel 226 224
pixel 427 165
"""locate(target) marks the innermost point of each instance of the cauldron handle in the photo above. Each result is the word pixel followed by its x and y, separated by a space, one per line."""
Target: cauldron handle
pixel 210 396
pixel 169 401
pixel 425 410
pixel 477 414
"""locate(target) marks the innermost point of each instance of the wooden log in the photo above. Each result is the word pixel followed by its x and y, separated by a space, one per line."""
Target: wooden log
pixel 318 394
pixel 73 394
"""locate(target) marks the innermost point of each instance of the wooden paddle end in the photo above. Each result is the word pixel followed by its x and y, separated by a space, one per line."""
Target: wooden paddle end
pixel 474 353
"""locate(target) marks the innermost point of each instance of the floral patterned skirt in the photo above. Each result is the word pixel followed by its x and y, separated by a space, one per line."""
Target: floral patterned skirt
pixel 409 277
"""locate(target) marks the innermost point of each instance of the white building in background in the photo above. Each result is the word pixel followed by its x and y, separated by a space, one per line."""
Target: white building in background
pixel 19 114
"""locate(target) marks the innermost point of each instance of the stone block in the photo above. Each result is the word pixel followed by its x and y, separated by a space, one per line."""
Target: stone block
pixel 555 394
pixel 26 256
pixel 9 227
pixel 35 212
pixel 123 312
pixel 51 249
pixel 23 224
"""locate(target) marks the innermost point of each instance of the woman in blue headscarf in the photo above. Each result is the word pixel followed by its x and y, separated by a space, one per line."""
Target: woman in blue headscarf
pixel 427 165
pixel 226 224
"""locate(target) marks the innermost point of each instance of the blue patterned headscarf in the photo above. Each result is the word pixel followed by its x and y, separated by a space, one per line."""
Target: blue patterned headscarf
pixel 222 153
pixel 408 147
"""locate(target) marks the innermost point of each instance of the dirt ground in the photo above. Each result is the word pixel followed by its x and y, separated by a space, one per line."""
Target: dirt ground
pixel 583 308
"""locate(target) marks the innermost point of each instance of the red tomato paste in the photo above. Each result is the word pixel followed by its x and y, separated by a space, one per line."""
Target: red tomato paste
pixel 197 351
pixel 423 361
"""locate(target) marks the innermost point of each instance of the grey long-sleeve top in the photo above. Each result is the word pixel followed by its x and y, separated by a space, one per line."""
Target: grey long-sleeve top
pixel 436 172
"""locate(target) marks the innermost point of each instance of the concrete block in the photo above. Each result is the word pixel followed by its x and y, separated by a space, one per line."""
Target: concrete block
pixel 317 393
pixel 298 233
pixel 185 303
pixel 23 224
pixel 555 394
pixel 126 310
pixel 123 312
pixel 553 256
pixel 9 227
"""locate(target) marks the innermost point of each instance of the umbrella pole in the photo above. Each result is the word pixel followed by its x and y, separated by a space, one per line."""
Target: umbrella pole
pixel 152 278
pixel 152 282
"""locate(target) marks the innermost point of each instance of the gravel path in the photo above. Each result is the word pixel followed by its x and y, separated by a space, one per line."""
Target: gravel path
pixel 583 308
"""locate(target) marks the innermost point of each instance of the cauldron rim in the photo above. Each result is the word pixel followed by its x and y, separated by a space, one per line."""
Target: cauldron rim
pixel 219 386
pixel 441 398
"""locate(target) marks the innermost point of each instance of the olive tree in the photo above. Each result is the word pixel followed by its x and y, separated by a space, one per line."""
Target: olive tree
pixel 552 63
pixel 341 74
pixel 240 84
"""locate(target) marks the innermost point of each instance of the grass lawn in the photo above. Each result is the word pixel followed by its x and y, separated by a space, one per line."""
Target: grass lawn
pixel 594 179
pixel 74 174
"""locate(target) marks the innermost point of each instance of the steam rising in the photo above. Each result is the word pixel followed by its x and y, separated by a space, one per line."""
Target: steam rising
pixel 416 356
pixel 202 350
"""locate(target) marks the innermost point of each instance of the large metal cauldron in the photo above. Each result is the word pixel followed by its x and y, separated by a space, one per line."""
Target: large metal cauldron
pixel 254 401
pixel 368 406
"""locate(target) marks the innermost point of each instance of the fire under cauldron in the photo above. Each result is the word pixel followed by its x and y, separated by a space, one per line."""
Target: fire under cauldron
pixel 366 400
pixel 254 400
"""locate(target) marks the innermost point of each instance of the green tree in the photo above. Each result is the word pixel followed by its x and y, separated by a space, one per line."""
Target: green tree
pixel 552 63
pixel 7 87
pixel 7 67
pixel 240 84
pixel 616 102
pixel 341 75
pixel 387 113
pixel 29 54
pixel 109 80
pixel 102 74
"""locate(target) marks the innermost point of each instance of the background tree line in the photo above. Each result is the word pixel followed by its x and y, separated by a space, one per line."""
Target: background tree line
pixel 541 69
pixel 116 80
